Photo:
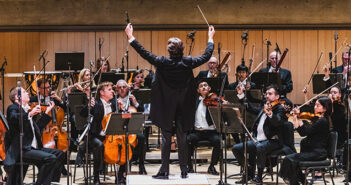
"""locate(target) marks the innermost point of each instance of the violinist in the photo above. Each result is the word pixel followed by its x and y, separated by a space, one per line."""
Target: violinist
pixel 46 90
pixel 125 101
pixel 285 75
pixel 49 161
pixel 313 146
pixel 242 71
pixel 204 130
pixel 213 71
pixel 173 95
pixel 345 59
pixel 267 130
pixel 100 108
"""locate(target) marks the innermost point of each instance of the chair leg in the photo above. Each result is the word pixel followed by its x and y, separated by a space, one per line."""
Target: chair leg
pixel 277 179
pixel 114 167
pixel 33 173
pixel 325 183
pixel 195 153
pixel 306 174
pixel 74 173
pixel 332 178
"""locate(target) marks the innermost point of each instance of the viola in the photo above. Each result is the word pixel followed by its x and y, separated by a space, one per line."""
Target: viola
pixel 212 100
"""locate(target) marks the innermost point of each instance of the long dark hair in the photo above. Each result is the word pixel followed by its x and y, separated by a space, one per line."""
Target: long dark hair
pixel 327 104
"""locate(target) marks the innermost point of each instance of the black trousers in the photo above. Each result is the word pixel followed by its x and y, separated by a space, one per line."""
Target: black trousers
pixel 166 147
pixel 97 148
pixel 49 161
pixel 205 135
pixel 290 167
pixel 256 153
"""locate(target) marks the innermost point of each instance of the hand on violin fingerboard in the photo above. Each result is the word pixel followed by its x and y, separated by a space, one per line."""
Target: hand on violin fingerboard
pixel 49 108
pixel 36 110
pixel 267 109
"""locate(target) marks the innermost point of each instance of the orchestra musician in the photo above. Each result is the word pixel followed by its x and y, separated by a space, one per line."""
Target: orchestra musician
pixel 125 100
pixel 49 161
pixel 100 108
pixel 285 75
pixel 242 71
pixel 173 95
pixel 345 59
pixel 204 130
pixel 267 130
pixel 313 146
pixel 104 63
pixel 138 79
pixel 212 71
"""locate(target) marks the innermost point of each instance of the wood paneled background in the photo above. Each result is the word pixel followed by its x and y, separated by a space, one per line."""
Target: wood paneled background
pixel 22 49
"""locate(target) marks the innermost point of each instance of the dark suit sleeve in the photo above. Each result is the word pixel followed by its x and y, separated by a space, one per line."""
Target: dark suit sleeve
pixel 316 127
pixel 288 83
pixel 148 56
pixel 43 121
pixel 197 61
pixel 278 117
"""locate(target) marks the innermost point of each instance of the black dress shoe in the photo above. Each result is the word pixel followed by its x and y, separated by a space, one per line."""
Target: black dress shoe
pixel 212 170
pixel 96 180
pixel 243 179
pixel 184 175
pixel 191 170
pixel 121 181
pixel 257 180
pixel 161 175
pixel 142 170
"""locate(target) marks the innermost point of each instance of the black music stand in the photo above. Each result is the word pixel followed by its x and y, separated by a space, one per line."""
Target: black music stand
pixel 109 77
pixel 253 95
pixel 214 83
pixel 264 79
pixel 77 100
pixel 69 61
pixel 143 95
pixel 125 124
pixel 320 85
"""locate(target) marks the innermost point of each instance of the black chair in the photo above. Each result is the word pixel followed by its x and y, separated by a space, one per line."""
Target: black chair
pixel 275 157
pixel 199 144
pixel 323 165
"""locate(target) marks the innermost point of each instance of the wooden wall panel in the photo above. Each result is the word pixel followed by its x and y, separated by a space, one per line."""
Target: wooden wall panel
pixel 22 49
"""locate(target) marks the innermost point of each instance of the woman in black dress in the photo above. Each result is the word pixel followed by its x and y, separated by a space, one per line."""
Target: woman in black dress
pixel 313 146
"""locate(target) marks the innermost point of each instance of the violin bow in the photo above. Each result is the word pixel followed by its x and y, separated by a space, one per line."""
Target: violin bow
pixel 308 101
pixel 35 77
pixel 320 57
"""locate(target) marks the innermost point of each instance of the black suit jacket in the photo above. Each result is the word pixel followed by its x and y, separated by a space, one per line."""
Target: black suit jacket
pixel 173 89
pixel 203 74
pixel 12 136
pixel 339 69
pixel 287 83
pixel 317 136
pixel 272 126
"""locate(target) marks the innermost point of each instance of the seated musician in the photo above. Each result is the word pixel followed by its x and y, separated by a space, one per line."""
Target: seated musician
pixel 266 130
pixel 104 64
pixel 100 108
pixel 242 71
pixel 50 95
pixel 212 71
pixel 313 146
pixel 204 130
pixel 125 101
pixel 138 79
pixel 285 75
pixel 49 161
pixel 345 60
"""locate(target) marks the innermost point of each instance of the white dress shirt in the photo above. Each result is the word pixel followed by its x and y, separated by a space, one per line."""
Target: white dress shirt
pixel 34 140
pixel 200 117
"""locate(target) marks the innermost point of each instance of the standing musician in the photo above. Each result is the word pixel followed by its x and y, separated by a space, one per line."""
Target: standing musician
pixel 204 130
pixel 267 130
pixel 313 146
pixel 345 59
pixel 285 75
pixel 173 95
pixel 125 101
pixel 100 108
pixel 49 161
pixel 212 71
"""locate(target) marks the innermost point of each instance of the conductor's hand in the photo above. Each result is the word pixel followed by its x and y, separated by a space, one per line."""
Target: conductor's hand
pixel 211 32
pixel 49 108
pixel 129 31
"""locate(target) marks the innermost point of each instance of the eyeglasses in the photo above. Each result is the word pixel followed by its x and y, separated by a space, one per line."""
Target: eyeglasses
pixel 122 87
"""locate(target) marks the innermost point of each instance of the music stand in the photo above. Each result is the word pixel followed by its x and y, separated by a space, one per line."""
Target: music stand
pixel 109 77
pixel 69 61
pixel 214 83
pixel 77 100
pixel 230 119
pixel 143 95
pixel 253 95
pixel 320 85
pixel 264 79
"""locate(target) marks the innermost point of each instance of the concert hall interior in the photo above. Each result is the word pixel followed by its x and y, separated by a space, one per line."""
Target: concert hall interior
pixel 247 66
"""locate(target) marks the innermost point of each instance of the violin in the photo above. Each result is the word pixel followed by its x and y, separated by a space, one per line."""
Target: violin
pixel 306 116
pixel 212 100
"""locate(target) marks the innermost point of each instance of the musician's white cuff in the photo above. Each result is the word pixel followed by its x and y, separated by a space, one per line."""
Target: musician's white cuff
pixel 137 105
pixel 102 133
pixel 131 40
pixel 270 116
pixel 241 96
pixel 210 40
pixel 326 79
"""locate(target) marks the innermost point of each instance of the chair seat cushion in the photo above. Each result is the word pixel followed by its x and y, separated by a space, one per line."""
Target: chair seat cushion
pixel 314 163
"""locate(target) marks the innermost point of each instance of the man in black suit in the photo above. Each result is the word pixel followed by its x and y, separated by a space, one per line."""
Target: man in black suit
pixel 212 72
pixel 50 95
pixel 173 95
pixel 100 108
pixel 285 75
pixel 125 101
pixel 204 130
pixel 49 161
pixel 267 130
pixel 242 71
pixel 345 60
